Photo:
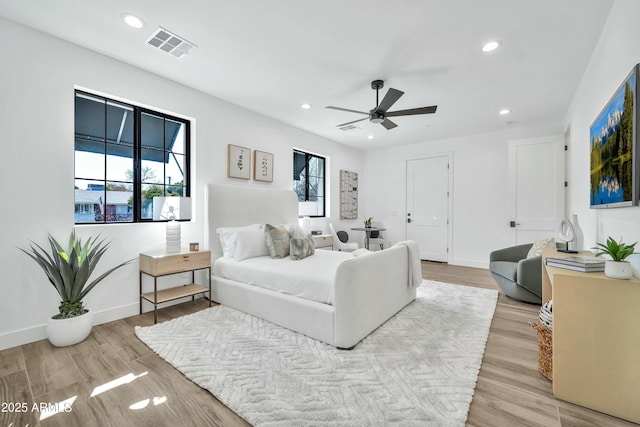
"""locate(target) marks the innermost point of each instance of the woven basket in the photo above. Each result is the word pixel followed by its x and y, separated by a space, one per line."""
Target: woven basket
pixel 545 350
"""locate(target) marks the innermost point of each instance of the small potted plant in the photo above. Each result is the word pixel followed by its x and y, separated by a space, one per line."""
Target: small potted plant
pixel 69 271
pixel 616 267
pixel 367 222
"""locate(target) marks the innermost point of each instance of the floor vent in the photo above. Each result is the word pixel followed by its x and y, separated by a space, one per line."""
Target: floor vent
pixel 169 43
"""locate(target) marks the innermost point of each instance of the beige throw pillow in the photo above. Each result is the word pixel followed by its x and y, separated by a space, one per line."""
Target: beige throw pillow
pixel 302 248
pixel 277 239
pixel 539 246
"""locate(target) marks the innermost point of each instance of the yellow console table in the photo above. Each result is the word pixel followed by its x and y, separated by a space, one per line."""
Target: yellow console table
pixel 596 339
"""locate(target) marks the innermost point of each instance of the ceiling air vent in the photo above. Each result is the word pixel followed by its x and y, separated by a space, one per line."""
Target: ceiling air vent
pixel 348 128
pixel 170 43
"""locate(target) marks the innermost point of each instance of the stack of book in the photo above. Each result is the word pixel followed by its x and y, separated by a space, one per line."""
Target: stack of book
pixel 578 263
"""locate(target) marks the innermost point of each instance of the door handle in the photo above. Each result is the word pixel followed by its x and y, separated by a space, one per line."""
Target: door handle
pixel 408 219
pixel 513 224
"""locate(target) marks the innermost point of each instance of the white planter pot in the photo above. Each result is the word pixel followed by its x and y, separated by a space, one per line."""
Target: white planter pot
pixel 64 332
pixel 617 269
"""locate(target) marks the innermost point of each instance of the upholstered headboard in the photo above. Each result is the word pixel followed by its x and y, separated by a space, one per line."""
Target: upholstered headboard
pixel 230 206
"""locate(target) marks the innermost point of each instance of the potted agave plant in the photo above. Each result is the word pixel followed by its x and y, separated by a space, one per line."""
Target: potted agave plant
pixel 617 267
pixel 69 271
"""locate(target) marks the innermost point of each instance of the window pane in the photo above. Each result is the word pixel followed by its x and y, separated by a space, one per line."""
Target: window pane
pixel 119 123
pixel 149 191
pixel 313 181
pixel 176 190
pixel 313 166
pixel 152 166
pixel 175 169
pixel 299 163
pixel 300 188
pixel 175 136
pixel 119 203
pixel 89 159
pixel 152 131
pixel 319 172
pixel 119 163
pixel 89 118
pixel 320 187
pixel 320 206
pixel 89 198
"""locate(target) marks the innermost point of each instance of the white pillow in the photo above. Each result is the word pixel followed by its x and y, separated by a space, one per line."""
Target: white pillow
pixel 539 246
pixel 296 232
pixel 228 236
pixel 361 251
pixel 250 243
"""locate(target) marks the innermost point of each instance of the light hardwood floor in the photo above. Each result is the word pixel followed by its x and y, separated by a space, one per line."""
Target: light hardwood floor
pixel 115 380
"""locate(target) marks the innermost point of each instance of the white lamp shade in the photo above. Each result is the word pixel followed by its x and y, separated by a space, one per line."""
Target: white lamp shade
pixel 167 208
pixel 307 208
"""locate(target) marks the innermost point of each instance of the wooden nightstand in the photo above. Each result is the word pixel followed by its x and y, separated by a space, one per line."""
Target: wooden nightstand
pixel 160 263
pixel 323 240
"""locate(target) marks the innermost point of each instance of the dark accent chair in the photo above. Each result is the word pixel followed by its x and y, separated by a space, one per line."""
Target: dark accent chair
pixel 343 236
pixel 517 276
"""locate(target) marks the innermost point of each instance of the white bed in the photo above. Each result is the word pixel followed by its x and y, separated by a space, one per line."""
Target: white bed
pixel 311 278
pixel 367 290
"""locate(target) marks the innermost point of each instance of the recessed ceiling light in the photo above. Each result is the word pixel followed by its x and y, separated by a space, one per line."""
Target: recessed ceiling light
pixel 132 20
pixel 370 137
pixel 305 106
pixel 504 111
pixel 491 46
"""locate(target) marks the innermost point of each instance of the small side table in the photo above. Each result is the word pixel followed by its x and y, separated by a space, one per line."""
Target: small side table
pixel 161 263
pixel 368 231
pixel 323 241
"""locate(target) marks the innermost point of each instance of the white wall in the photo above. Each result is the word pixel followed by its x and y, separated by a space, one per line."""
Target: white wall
pixel 615 55
pixel 37 82
pixel 480 205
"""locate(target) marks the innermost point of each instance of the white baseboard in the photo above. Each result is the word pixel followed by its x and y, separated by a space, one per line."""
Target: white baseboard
pixel 116 313
pixel 23 336
pixel 39 332
pixel 469 263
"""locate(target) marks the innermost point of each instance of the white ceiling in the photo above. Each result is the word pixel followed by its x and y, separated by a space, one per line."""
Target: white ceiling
pixel 272 56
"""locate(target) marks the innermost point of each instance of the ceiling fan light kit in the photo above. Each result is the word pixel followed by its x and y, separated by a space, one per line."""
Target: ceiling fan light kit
pixel 379 114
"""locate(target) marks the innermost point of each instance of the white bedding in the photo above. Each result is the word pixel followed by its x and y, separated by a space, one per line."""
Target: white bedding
pixel 310 278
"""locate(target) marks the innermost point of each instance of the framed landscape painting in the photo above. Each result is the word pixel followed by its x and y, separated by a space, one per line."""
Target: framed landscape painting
pixel 239 162
pixel 614 149
pixel 263 166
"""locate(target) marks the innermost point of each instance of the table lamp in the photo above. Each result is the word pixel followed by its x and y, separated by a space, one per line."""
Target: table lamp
pixel 172 209
pixel 306 209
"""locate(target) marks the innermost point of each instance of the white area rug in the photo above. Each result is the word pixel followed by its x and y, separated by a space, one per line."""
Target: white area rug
pixel 419 368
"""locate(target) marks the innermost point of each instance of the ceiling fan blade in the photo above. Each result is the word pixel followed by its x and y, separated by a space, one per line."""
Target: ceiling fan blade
pixel 388 124
pixel 413 111
pixel 348 123
pixel 389 99
pixel 346 109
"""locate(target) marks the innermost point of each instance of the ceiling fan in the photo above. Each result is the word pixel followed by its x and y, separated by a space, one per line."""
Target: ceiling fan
pixel 379 114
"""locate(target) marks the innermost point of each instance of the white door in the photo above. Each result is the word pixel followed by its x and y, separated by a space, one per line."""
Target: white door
pixel 428 206
pixel 536 184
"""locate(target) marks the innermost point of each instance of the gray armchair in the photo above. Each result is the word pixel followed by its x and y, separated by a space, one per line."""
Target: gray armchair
pixel 517 276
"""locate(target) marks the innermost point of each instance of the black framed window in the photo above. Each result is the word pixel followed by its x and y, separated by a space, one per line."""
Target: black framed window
pixel 124 156
pixel 309 182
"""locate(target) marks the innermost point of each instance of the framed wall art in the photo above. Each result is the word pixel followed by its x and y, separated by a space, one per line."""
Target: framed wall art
pixel 239 162
pixel 348 195
pixel 614 148
pixel 263 166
